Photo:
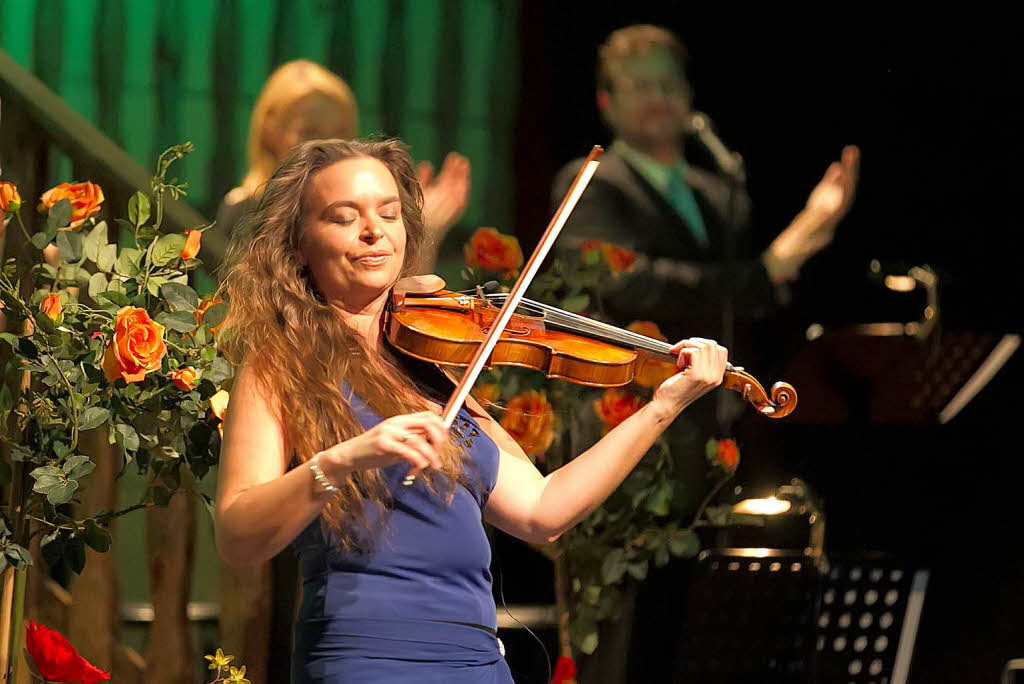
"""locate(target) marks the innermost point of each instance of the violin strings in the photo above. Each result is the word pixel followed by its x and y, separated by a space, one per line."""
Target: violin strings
pixel 598 329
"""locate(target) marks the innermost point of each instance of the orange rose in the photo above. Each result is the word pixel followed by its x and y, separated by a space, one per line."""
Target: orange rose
pixel 191 243
pixel 203 306
pixel 530 420
pixel 490 250
pixel 51 306
pixel 185 378
pixel 137 348
pixel 219 404
pixel 616 405
pixel 85 199
pixel 10 200
pixel 619 258
pixel 728 455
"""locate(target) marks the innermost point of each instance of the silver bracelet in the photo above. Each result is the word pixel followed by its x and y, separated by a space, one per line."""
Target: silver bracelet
pixel 318 475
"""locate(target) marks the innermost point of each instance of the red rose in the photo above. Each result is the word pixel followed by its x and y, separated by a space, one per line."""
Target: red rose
pixel 56 660
pixel 565 671
pixel 728 455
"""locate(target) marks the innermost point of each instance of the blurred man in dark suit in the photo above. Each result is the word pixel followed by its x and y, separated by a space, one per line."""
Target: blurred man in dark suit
pixel 690 225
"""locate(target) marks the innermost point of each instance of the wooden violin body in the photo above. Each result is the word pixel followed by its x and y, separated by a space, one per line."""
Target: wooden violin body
pixel 447 327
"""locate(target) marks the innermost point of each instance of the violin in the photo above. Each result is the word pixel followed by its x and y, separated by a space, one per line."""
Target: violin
pixel 454 329
pixel 430 323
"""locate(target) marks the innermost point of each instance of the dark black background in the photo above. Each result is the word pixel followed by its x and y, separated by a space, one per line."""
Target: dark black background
pixel 932 102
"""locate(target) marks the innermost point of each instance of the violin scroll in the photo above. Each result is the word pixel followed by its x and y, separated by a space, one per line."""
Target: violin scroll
pixel 780 404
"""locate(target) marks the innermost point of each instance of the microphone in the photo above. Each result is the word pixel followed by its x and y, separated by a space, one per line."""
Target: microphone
pixel 729 162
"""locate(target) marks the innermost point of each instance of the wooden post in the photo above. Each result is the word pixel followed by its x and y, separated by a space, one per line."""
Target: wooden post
pixel 93 620
pixel 245 613
pixel 170 547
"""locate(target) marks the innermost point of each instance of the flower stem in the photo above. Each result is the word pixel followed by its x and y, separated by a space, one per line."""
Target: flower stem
pixel 707 500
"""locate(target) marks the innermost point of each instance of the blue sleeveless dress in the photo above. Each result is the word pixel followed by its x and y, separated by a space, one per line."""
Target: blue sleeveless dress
pixel 417 607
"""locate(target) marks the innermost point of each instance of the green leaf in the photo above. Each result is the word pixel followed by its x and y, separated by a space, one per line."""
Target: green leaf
pixel 613 567
pixel 220 371
pixel 96 238
pixel 168 248
pixel 591 257
pixel 161 496
pixel 27 348
pixel 10 339
pixel 127 437
pixel 45 323
pixel 138 208
pixel 684 543
pixel 59 216
pixel 40 240
pixel 154 283
pixel 659 500
pixel 81 470
pixel 74 552
pixel 180 297
pixel 115 298
pixel 208 354
pixel 70 245
pixel 96 537
pixel 93 417
pixel 52 546
pixel 97 284
pixel 215 315
pixel 62 493
pixel 588 644
pixel 106 256
pixel 576 303
pixel 182 321
pixel 128 261
pixel 637 571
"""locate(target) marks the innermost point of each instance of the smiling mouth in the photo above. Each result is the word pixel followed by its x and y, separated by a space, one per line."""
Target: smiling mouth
pixel 372 260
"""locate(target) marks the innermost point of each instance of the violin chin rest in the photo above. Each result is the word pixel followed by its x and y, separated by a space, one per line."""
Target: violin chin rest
pixel 421 284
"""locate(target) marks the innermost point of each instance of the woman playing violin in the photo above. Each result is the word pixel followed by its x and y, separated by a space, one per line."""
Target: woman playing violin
pixel 326 420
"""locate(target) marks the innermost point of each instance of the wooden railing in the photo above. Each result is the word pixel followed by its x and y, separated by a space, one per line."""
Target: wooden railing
pixel 37 129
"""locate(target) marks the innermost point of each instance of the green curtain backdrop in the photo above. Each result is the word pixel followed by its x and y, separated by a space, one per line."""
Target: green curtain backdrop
pixel 438 73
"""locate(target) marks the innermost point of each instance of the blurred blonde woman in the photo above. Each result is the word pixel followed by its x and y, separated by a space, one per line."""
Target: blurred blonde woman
pixel 301 101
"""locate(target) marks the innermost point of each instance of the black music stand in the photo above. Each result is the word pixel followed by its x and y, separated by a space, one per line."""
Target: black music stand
pixel 750 617
pixel 885 373
pixel 868 618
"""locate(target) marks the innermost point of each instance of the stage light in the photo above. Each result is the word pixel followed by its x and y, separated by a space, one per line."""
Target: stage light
pixel 767 506
pixel 900 283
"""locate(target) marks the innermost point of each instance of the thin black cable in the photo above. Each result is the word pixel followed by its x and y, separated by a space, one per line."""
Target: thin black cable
pixel 501 594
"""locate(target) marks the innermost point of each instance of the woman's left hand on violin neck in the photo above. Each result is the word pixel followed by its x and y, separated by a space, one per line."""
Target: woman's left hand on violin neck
pixel 702 364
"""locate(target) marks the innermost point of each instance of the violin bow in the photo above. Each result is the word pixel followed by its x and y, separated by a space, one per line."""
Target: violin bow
pixel 483 352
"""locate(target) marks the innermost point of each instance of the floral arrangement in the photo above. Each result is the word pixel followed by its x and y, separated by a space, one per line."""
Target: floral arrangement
pixel 639 524
pixel 103 335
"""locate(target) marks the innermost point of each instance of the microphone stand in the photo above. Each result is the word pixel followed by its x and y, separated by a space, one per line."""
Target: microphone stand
pixel 730 164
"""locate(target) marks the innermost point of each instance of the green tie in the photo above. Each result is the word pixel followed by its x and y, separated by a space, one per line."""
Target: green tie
pixel 681 197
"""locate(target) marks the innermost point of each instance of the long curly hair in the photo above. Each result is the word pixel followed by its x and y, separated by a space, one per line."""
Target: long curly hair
pixel 298 346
